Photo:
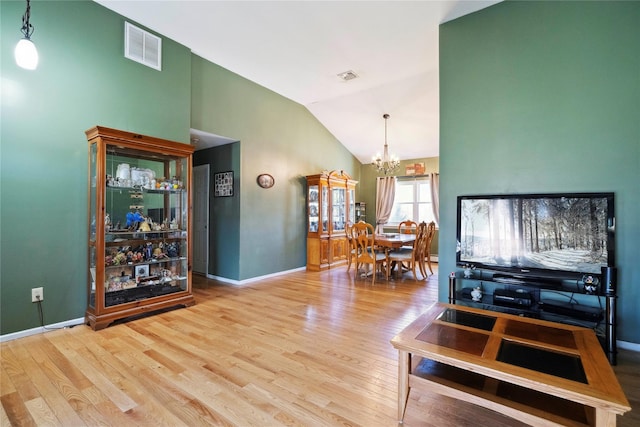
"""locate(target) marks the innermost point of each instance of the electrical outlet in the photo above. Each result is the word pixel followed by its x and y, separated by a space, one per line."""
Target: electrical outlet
pixel 37 294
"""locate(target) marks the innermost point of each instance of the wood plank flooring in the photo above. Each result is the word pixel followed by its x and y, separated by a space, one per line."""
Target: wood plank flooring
pixel 303 349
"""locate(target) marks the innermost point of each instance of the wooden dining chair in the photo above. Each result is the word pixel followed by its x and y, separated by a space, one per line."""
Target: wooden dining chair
pixel 431 232
pixel 351 244
pixel 364 240
pixel 408 227
pixel 409 258
pixel 424 254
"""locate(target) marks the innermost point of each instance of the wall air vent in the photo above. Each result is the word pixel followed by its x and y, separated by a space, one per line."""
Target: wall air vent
pixel 142 46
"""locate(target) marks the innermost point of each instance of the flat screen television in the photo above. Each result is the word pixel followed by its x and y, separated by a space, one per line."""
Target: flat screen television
pixel 543 235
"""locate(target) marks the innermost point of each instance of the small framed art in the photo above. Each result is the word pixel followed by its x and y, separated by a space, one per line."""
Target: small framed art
pixel 223 184
pixel 265 180
pixel 142 270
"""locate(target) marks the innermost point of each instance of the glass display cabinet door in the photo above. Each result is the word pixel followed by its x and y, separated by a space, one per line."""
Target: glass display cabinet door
pixel 93 187
pixel 146 217
pixel 314 208
pixel 338 209
pixel 352 206
pixel 325 209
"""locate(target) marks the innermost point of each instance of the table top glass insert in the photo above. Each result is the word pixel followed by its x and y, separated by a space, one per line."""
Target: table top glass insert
pixel 465 318
pixel 538 359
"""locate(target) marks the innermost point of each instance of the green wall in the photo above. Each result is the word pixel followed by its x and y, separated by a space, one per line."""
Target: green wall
pixel 545 97
pixel 83 80
pixel 279 137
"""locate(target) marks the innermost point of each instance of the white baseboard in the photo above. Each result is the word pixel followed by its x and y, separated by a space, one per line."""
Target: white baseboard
pixel 253 279
pixel 628 346
pixel 41 329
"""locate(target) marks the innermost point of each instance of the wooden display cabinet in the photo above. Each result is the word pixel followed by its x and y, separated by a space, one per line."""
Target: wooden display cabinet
pixel 330 206
pixel 139 225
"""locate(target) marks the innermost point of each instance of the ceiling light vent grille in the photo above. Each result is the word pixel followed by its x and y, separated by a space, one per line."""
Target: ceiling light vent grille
pixel 142 46
pixel 347 75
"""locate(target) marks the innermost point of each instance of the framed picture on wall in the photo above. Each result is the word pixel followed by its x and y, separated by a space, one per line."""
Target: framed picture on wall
pixel 223 184
pixel 414 169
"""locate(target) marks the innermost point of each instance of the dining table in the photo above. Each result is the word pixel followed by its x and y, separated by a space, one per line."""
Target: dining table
pixel 394 241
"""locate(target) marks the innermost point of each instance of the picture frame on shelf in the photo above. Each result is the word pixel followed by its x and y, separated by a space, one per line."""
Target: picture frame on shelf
pixel 223 184
pixel 141 270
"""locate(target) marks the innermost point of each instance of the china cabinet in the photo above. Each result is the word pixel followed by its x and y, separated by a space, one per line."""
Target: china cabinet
pixel 330 206
pixel 139 225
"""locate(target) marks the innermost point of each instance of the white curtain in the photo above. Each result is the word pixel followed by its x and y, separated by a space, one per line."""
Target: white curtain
pixel 385 193
pixel 434 179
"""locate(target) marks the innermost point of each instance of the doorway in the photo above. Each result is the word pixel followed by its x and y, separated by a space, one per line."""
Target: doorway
pixel 201 219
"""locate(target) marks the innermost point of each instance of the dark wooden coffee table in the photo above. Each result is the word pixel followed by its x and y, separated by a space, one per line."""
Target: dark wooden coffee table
pixel 539 372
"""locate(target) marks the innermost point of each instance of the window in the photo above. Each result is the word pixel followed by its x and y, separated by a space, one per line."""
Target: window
pixel 412 201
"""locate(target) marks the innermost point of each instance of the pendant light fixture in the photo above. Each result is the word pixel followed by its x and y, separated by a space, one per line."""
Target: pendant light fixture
pixel 26 52
pixel 385 164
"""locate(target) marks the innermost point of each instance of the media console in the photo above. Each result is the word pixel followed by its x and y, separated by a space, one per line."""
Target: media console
pixel 548 298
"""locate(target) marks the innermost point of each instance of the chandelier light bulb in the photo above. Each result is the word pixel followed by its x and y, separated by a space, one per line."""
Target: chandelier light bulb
pixel 26 54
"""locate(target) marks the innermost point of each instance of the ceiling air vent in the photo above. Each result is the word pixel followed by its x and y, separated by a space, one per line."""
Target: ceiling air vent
pixel 142 46
pixel 347 75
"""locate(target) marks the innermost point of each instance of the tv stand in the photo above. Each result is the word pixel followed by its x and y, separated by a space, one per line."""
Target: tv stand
pixel 527 297
pixel 535 281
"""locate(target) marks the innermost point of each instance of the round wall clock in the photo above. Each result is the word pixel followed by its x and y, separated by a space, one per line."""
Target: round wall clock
pixel 265 180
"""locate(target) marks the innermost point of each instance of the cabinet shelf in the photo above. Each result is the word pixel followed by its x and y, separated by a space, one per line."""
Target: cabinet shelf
pixel 146 190
pixel 147 262
pixel 144 233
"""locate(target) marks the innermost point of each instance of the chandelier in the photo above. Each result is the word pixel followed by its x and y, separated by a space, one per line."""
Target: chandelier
pixel 385 164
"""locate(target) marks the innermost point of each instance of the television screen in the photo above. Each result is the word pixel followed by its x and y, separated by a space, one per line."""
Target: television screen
pixel 528 233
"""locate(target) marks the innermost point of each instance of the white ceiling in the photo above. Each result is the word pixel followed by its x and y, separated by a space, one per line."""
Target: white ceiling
pixel 297 48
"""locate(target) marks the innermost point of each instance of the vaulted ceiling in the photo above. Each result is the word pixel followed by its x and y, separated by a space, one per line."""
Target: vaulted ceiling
pixel 298 48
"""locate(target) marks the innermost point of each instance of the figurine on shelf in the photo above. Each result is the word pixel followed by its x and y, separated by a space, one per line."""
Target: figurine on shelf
pixel 148 250
pixel 174 224
pixel 590 283
pixel 468 271
pixel 133 218
pixel 158 254
pixel 476 294
pixel 107 223
pixel 172 250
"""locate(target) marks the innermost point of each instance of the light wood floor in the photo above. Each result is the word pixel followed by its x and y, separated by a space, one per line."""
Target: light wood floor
pixel 304 349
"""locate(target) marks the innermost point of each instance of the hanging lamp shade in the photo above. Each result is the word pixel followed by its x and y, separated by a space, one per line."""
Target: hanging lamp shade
pixel 26 53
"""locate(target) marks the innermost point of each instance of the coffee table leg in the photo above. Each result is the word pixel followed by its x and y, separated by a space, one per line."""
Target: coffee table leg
pixel 605 418
pixel 404 359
